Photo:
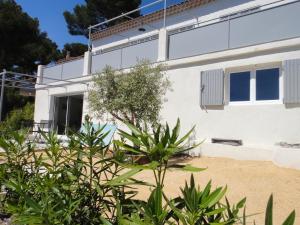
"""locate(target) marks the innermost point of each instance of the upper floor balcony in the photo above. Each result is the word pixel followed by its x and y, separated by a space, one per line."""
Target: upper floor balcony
pixel 209 27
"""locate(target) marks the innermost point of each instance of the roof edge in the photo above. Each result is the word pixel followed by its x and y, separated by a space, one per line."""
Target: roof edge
pixel 130 24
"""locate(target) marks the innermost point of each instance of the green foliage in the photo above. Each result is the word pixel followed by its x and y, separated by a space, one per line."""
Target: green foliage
pixel 75 49
pixel 80 184
pixel 158 148
pixel 135 97
pixel 204 206
pixel 196 207
pixel 22 42
pixel 290 220
pixel 22 46
pixel 15 118
pixel 87 183
pixel 13 101
pixel 96 11
pixel 150 212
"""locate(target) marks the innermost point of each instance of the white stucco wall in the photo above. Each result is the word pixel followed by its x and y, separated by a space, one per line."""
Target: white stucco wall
pixel 256 124
pixel 259 126
pixel 42 106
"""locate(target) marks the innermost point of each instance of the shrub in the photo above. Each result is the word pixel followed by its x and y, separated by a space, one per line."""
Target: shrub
pixel 87 183
pixel 15 118
pixel 135 96
pixel 80 184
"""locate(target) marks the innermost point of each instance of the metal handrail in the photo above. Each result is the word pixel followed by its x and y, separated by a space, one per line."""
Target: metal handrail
pixel 125 14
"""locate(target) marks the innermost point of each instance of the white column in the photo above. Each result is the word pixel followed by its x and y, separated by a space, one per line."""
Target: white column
pixel 87 63
pixel 162 45
pixel 40 70
pixel 85 106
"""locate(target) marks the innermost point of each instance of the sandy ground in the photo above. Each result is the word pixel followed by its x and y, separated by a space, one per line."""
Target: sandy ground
pixel 254 179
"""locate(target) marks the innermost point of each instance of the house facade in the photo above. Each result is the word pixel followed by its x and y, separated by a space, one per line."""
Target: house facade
pixel 234 68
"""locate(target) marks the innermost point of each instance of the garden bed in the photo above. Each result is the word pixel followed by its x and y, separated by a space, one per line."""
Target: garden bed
pixel 253 179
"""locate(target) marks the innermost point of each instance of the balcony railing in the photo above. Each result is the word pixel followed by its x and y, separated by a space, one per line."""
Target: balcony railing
pixel 126 56
pixel 262 25
pixel 63 71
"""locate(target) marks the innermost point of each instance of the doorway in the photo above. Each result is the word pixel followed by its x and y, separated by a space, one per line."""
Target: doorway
pixel 68 113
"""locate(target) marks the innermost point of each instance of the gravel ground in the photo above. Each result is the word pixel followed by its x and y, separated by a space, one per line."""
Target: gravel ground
pixel 254 179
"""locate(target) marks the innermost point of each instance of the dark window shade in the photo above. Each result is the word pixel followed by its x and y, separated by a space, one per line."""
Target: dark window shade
pixel 267 84
pixel 240 86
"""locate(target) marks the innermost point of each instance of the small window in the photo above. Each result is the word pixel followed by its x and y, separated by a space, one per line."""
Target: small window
pixel 240 86
pixel 267 84
pixel 255 85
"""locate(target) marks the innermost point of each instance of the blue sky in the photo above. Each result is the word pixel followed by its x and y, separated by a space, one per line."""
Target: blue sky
pixel 50 15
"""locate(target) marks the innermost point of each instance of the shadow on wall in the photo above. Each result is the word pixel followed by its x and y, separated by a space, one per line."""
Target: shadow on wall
pixel 212 107
pixel 292 106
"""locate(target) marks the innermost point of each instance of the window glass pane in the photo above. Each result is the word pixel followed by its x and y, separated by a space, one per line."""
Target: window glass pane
pixel 267 84
pixel 240 86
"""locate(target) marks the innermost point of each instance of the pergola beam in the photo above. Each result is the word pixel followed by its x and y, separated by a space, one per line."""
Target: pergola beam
pixel 20 87
pixel 20 81
pixel 48 78
pixel 25 84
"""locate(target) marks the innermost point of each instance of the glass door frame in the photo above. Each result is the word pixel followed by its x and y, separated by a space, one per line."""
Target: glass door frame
pixel 55 106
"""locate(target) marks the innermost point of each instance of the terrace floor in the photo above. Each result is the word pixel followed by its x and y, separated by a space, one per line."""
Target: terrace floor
pixel 254 179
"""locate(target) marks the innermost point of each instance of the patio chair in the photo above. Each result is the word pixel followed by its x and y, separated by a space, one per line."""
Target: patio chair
pixel 37 129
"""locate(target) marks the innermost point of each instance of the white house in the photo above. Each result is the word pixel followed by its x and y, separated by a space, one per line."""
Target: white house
pixel 234 67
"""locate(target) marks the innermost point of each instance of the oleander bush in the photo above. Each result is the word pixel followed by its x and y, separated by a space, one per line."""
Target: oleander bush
pixel 90 182
pixel 15 118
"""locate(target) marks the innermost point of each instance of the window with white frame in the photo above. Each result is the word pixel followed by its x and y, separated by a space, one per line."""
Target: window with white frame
pixel 255 85
pixel 240 86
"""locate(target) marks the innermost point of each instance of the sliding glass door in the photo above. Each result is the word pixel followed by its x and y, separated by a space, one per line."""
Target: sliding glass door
pixel 68 113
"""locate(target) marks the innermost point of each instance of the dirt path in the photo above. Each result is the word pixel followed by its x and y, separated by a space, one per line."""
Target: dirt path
pixel 254 179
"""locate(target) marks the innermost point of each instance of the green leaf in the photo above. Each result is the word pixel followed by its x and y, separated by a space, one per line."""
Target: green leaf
pixel 130 137
pixel 71 176
pixel 206 190
pixel 291 219
pixel 105 221
pixel 118 181
pixel 190 168
pixel 150 166
pixel 175 132
pixel 241 203
pixel 218 197
pixel 216 211
pixel 185 136
pixel 269 212
pixel 214 197
pixel 32 204
pixel 134 129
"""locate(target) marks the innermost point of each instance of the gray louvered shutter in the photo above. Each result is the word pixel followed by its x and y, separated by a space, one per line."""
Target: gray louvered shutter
pixel 292 81
pixel 212 87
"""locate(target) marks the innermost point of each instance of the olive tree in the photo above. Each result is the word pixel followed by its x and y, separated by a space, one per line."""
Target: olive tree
pixel 135 96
